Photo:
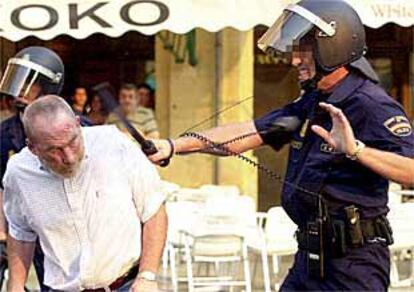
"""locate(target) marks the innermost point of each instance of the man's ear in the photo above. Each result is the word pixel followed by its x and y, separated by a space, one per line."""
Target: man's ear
pixel 31 146
pixel 78 121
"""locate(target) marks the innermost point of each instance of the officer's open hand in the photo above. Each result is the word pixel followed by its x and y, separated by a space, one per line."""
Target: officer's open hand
pixel 341 137
pixel 164 151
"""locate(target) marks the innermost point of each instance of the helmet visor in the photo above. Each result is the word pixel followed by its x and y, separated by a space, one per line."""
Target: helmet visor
pixel 284 34
pixel 22 78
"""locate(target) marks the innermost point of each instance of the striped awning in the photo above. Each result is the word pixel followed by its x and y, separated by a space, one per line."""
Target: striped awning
pixel 47 19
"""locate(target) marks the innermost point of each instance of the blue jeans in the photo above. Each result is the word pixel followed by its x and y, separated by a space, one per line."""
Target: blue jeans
pixel 126 287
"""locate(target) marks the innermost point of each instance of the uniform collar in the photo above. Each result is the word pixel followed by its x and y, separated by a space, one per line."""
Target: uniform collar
pixel 345 88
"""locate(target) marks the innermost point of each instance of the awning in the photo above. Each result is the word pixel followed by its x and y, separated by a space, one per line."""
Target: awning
pixel 46 19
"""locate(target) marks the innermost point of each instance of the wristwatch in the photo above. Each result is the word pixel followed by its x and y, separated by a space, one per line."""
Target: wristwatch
pixel 359 147
pixel 147 275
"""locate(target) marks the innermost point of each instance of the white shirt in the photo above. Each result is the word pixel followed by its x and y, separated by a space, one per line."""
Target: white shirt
pixel 89 226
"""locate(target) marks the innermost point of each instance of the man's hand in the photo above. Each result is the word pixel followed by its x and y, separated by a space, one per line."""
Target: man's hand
pixel 164 151
pixel 142 285
pixel 341 137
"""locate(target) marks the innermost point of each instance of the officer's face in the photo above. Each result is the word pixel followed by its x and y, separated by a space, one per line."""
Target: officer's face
pixel 128 101
pixel 27 97
pixel 60 146
pixel 303 60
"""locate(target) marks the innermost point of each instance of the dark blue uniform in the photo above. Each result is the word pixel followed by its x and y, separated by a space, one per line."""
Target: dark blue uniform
pixel 12 140
pixel 378 121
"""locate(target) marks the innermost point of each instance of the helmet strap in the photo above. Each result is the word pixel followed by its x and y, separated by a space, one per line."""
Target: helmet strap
pixel 311 84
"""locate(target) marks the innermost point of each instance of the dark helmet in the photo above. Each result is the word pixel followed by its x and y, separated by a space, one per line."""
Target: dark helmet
pixel 33 66
pixel 336 30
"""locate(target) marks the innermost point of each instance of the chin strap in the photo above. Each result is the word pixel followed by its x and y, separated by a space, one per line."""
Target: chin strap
pixel 20 107
pixel 312 84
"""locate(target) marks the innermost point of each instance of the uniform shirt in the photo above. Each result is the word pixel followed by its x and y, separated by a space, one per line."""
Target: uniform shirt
pixel 5 114
pixel 13 139
pixel 378 121
pixel 89 226
pixel 142 120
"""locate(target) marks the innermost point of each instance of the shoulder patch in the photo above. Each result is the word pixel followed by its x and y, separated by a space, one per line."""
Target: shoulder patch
pixel 399 126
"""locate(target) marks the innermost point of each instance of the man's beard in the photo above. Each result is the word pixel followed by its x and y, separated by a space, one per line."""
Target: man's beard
pixel 65 172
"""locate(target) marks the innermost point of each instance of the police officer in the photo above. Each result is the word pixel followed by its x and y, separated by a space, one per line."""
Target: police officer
pixel 338 204
pixel 31 73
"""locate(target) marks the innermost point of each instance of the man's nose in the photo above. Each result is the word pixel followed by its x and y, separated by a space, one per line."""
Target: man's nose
pixel 69 156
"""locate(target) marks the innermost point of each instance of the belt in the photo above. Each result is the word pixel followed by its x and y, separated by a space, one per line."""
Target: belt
pixel 371 232
pixel 118 283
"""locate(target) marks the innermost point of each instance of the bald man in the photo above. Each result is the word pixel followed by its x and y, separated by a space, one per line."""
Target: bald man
pixel 85 193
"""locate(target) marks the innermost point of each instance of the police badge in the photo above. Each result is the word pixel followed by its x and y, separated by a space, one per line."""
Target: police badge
pixel 399 126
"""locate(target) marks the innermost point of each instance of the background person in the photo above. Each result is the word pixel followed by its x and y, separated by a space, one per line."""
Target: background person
pixel 96 114
pixel 79 100
pixel 146 96
pixel 142 119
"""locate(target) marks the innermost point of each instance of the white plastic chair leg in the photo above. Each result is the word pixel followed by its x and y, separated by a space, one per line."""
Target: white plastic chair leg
pixel 394 277
pixel 266 272
pixel 189 264
pixel 412 267
pixel 165 258
pixel 174 276
pixel 246 266
pixel 275 263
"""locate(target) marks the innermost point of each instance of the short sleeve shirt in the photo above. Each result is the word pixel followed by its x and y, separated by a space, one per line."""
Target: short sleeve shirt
pixel 89 225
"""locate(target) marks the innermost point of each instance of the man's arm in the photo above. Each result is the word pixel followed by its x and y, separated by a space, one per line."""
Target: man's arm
pixel 389 165
pixel 153 241
pixel 21 237
pixel 218 135
pixel 3 224
pixel 20 254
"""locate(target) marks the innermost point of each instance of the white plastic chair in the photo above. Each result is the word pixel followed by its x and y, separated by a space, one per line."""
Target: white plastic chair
pixel 401 217
pixel 276 240
pixel 191 194
pixel 394 197
pixel 170 188
pixel 228 190
pixel 183 216
pixel 219 238
pixel 216 249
